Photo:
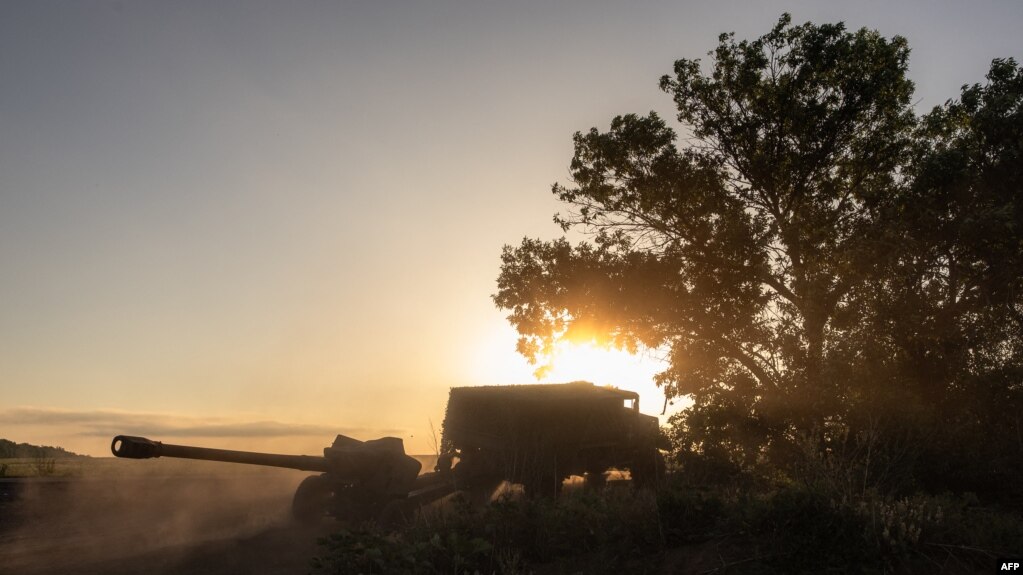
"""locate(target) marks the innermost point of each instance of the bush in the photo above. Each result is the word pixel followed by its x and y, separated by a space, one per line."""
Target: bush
pixel 802 531
pixel 690 515
pixel 955 530
pixel 797 528
pixel 605 531
pixel 364 551
pixel 807 531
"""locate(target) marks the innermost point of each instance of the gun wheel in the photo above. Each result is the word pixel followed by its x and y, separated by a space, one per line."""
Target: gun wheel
pixel 545 485
pixel 397 513
pixel 312 499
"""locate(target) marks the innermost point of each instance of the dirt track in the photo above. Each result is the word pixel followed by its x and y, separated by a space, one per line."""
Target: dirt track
pixel 183 525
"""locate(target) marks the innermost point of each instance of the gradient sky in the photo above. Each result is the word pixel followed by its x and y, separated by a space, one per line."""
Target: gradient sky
pixel 248 223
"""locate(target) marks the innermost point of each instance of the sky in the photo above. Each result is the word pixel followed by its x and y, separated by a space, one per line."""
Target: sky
pixel 260 224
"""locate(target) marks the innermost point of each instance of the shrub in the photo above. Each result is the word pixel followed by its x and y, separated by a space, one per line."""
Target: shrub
pixel 797 528
pixel 800 530
pixel 689 515
pixel 368 552
pixel 605 531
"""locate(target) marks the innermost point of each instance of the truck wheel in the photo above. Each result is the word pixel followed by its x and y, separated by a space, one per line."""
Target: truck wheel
pixel 648 470
pixel 547 485
pixel 482 489
pixel 312 499
pixel 596 480
pixel 396 513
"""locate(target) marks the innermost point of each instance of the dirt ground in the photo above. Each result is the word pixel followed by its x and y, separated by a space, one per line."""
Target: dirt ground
pixel 189 524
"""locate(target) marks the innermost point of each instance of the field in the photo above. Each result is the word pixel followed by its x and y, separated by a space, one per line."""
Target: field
pixel 95 467
pixel 114 516
pixel 111 467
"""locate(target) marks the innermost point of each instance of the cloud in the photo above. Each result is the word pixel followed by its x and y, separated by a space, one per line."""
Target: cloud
pixel 107 423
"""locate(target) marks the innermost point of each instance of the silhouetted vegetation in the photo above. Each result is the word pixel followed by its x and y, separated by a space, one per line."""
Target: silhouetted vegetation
pixel 11 450
pixel 508 536
pixel 836 283
pixel 679 529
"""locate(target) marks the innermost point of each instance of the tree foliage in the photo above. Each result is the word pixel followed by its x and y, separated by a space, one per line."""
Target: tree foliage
pixel 12 450
pixel 814 259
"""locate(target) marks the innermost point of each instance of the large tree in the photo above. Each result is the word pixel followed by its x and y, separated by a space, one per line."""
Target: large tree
pixel 752 251
pixel 950 307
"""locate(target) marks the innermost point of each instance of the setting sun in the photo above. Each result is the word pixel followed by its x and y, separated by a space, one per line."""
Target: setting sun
pixel 496 362
pixel 590 362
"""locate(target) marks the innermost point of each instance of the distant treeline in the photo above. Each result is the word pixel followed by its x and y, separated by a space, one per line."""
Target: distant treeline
pixel 11 450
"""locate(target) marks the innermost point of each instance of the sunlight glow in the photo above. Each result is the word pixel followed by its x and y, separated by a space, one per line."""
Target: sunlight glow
pixel 602 366
pixel 609 366
pixel 497 363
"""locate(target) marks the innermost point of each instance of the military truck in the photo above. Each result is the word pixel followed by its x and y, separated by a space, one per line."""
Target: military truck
pixel 537 435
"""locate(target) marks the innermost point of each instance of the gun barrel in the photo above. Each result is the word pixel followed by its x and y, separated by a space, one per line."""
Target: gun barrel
pixel 133 447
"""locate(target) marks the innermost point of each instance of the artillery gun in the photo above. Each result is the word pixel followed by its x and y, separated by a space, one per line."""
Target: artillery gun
pixel 358 480
pixel 536 435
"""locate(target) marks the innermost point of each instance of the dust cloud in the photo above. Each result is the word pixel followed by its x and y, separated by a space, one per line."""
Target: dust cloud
pixel 53 525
